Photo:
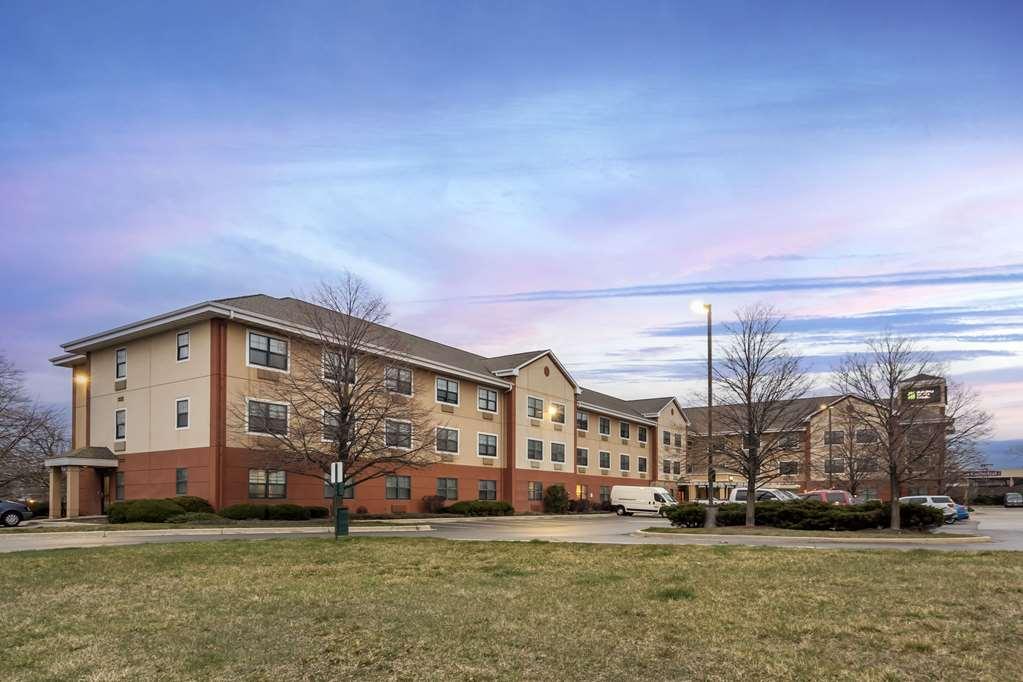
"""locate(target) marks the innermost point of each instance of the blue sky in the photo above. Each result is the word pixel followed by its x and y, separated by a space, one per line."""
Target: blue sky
pixel 509 174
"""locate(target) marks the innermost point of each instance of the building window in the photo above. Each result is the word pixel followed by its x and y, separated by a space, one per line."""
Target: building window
pixel 488 490
pixel 623 430
pixel 868 464
pixel 447 488
pixel 678 440
pixel 582 457
pixel 604 426
pixel 334 367
pixel 676 468
pixel 270 418
pixel 534 407
pixel 534 449
pixel 398 380
pixel 866 436
pixel 182 341
pixel 347 492
pixel 119 486
pixel 582 420
pixel 790 442
pixel 834 465
pixel 623 462
pixel 788 468
pixel 121 363
pixel 267 484
pixel 604 460
pixel 447 440
pixel 486 445
pixel 605 494
pixel 641 434
pixel 397 434
pixel 120 424
pixel 582 492
pixel 398 488
pixel 447 391
pixel 834 437
pixel 331 426
pixel 181 413
pixel 535 490
pixel 558 452
pixel 181 482
pixel 557 413
pixel 641 465
pixel 486 399
pixel 268 351
pixel 665 466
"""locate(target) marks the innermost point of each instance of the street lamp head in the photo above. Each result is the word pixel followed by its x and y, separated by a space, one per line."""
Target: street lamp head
pixel 699 307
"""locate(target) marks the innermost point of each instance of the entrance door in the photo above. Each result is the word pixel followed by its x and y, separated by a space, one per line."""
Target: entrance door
pixel 104 490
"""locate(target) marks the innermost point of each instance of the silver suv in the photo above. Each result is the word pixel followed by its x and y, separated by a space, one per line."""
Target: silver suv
pixel 943 502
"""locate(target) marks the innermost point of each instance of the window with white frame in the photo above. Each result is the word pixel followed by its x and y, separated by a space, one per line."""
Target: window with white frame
pixel 335 367
pixel 534 449
pixel 398 380
pixel 120 363
pixel 605 460
pixel 666 437
pixel 397 434
pixel 331 426
pixel 641 434
pixel 623 430
pixel 623 462
pixel 181 481
pixel 398 488
pixel 534 491
pixel 120 424
pixel 268 351
pixel 834 437
pixel 447 488
pixel 183 345
pixel 486 399
pixel 582 457
pixel 271 418
pixel 486 445
pixel 534 407
pixel 582 420
pixel 678 440
pixel 557 413
pixel 604 426
pixel 181 413
pixel 447 440
pixel 665 466
pixel 487 490
pixel 641 465
pixel 447 391
pixel 558 452
pixel 267 484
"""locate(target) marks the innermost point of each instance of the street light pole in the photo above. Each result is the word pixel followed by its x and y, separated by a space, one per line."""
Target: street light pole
pixel 710 412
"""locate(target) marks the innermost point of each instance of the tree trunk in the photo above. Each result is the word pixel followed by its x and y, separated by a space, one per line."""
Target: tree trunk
pixel 751 502
pixel 893 483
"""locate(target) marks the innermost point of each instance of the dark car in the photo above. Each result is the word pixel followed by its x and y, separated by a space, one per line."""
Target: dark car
pixel 12 513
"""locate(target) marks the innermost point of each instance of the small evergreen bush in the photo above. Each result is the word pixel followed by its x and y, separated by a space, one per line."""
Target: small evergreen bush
pixel 555 499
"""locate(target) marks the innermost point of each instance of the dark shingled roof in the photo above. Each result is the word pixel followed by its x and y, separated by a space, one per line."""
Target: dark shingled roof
pixel 501 362
pixel 650 405
pixel 608 402
pixel 93 452
pixel 798 410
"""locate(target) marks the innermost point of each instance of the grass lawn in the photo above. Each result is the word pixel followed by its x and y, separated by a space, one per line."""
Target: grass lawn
pixel 226 523
pixel 396 608
pixel 790 532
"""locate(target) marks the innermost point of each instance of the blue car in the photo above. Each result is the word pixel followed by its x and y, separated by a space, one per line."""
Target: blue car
pixel 962 513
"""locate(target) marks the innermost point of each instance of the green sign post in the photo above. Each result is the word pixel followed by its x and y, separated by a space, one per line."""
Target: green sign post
pixel 337 478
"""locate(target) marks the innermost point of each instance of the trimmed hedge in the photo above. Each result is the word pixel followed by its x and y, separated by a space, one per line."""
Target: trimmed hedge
pixel 150 511
pixel 196 517
pixel 481 508
pixel 191 503
pixel 244 512
pixel 318 512
pixel 810 515
pixel 555 499
pixel 286 512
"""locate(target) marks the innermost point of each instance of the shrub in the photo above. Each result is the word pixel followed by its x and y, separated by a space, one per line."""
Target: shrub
pixel 117 512
pixel 687 515
pixel 361 510
pixel 480 508
pixel 579 506
pixel 816 515
pixel 242 512
pixel 434 504
pixel 915 516
pixel 151 511
pixel 196 517
pixel 286 512
pixel 555 499
pixel 191 503
pixel 318 512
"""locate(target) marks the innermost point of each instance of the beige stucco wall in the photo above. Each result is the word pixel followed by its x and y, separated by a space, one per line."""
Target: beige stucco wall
pixel 670 419
pixel 79 404
pixel 595 443
pixel 155 381
pixel 553 387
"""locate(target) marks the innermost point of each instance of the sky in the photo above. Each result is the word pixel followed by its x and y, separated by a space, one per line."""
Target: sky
pixel 520 175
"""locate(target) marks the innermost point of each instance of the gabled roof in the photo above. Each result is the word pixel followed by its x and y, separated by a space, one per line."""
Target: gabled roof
pixel 509 365
pixel 651 407
pixel 796 411
pixel 608 404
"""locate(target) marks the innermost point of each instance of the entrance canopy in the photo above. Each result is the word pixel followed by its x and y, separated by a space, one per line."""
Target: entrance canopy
pixel 85 489
pixel 84 457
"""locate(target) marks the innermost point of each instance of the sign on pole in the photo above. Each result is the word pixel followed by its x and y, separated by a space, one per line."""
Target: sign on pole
pixel 337 473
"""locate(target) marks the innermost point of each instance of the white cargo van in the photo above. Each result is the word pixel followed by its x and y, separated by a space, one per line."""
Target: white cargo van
pixel 630 499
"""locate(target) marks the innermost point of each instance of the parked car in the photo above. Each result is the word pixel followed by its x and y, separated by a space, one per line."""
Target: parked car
pixel 627 500
pixel 839 497
pixel 1013 499
pixel 942 502
pixel 12 513
pixel 962 512
pixel 763 495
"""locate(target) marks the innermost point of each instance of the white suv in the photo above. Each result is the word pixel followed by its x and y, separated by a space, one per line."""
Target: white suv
pixel 763 495
pixel 943 502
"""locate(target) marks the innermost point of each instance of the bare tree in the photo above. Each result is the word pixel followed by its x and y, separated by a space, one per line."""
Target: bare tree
pixel 852 461
pixel 911 433
pixel 348 394
pixel 29 433
pixel 758 379
pixel 968 426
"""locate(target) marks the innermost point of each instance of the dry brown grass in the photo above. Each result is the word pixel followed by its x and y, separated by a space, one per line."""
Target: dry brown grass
pixel 388 608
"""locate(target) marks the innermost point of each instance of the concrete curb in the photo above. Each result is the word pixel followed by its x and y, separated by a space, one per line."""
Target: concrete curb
pixel 159 532
pixel 817 538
